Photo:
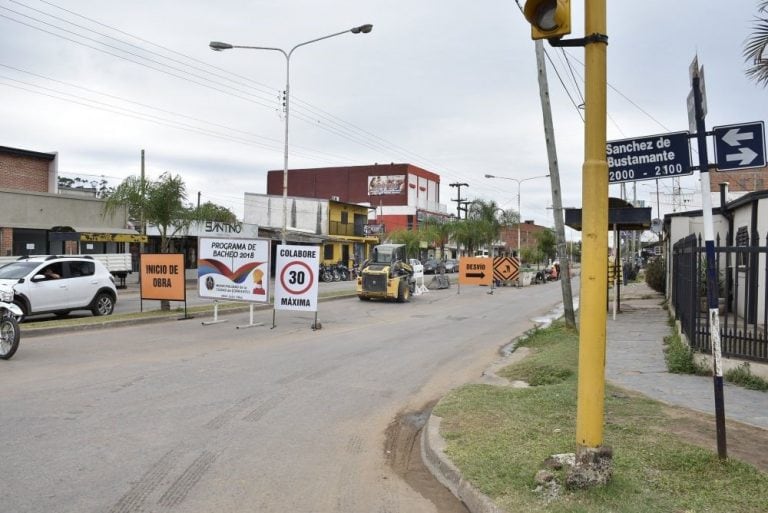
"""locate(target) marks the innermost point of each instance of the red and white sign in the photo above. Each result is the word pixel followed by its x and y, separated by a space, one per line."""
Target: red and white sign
pixel 296 273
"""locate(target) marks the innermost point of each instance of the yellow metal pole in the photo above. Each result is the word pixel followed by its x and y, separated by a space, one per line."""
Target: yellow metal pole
pixel 594 274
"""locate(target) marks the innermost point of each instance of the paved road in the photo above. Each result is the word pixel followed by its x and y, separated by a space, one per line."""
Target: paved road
pixel 185 418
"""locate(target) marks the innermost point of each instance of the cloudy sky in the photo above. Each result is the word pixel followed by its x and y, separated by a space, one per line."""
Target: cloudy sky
pixel 447 85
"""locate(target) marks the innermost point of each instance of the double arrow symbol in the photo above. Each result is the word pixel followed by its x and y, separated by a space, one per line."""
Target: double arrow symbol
pixel 733 137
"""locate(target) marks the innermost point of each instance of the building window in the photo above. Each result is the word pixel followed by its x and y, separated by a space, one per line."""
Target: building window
pixel 328 252
pixel 344 217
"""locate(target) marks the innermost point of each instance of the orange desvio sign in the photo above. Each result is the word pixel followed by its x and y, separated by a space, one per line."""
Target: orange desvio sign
pixel 163 277
pixel 475 271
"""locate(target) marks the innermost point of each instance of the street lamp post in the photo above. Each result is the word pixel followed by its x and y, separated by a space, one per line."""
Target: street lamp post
pixel 519 181
pixel 219 46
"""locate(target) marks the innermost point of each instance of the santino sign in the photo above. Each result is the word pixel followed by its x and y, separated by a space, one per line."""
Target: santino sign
pixel 649 158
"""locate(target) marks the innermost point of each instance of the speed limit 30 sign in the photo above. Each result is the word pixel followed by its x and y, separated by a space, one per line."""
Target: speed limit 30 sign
pixel 296 278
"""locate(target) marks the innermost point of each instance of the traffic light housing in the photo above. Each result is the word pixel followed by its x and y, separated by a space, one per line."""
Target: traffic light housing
pixel 548 18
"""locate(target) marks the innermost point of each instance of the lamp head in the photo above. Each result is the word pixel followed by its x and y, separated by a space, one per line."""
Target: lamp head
pixel 218 46
pixel 489 176
pixel 362 28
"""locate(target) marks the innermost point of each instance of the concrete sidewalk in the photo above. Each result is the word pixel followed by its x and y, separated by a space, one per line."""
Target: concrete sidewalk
pixel 635 360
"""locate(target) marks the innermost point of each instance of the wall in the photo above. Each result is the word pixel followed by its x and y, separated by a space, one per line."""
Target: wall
pixel 44 211
pixel 305 214
pixel 355 184
pixel 28 170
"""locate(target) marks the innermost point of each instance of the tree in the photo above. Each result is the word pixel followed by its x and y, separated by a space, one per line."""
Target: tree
pixel 411 239
pixel 755 47
pixel 162 204
pixel 438 231
pixel 101 186
pixel 212 212
pixel 486 221
pixel 546 243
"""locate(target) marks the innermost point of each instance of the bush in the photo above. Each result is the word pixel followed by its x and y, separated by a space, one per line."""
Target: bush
pixel 655 275
pixel 680 358
pixel 742 376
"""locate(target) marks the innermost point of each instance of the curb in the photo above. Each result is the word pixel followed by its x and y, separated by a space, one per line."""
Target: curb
pixel 433 455
pixel 433 444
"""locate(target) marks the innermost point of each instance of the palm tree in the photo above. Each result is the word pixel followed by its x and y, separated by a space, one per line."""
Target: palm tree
pixel 491 219
pixel 438 231
pixel 411 239
pixel 755 47
pixel 162 203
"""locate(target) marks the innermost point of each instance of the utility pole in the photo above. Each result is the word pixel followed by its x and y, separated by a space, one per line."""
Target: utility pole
pixel 554 178
pixel 460 202
pixel 141 215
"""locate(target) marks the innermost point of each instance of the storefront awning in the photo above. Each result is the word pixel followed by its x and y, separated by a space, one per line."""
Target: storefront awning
pixel 95 234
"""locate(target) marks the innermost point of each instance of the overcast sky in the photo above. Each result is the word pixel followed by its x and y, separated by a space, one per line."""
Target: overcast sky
pixel 447 85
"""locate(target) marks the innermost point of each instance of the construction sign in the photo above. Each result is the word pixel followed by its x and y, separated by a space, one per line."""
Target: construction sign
pixel 475 271
pixel 505 268
pixel 163 276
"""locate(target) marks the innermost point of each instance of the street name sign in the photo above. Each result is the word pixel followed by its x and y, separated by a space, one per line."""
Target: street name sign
pixel 475 271
pixel 740 146
pixel 648 158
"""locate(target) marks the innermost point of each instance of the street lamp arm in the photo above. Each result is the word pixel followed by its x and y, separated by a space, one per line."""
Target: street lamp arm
pixel 355 30
pixel 220 46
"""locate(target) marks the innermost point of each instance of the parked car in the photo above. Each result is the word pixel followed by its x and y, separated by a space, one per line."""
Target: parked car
pixel 451 266
pixel 431 266
pixel 60 284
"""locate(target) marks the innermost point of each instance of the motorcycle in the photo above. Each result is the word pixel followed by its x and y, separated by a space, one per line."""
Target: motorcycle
pixel 10 333
pixel 325 273
pixel 343 271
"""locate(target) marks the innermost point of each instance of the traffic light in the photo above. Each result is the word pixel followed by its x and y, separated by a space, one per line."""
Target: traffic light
pixel 548 18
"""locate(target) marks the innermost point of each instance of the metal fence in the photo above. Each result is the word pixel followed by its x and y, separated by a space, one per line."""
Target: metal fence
pixel 742 271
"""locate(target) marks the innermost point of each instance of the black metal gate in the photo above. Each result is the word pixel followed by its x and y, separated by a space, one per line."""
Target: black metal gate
pixel 742 272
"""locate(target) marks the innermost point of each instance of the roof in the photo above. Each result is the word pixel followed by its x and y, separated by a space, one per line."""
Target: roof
pixel 621 215
pixel 18 152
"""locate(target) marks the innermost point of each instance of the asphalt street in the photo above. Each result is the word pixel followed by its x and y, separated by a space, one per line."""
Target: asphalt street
pixel 178 416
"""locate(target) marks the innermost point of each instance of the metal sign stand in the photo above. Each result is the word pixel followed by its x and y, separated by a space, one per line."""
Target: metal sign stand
pixel 714 316
pixel 250 324
pixel 216 319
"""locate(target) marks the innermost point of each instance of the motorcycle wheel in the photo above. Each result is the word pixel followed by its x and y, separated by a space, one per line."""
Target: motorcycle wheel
pixel 9 337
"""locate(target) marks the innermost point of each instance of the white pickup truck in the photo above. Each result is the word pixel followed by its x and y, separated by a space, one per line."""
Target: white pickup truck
pixel 119 264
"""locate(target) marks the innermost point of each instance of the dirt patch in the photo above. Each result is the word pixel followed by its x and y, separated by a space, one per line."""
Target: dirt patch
pixel 402 451
pixel 744 442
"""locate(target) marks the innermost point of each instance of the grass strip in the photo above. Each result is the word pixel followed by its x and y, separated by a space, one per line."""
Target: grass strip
pixel 499 438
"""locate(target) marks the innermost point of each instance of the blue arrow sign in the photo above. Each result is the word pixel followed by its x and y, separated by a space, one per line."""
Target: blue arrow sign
pixel 740 146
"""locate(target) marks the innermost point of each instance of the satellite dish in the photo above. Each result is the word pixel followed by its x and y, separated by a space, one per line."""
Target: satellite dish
pixel 656 226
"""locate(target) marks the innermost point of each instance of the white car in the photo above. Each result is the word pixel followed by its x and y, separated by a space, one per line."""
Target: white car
pixel 60 284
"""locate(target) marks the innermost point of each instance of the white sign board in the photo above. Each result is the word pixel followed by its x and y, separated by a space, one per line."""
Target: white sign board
pixel 296 276
pixel 233 269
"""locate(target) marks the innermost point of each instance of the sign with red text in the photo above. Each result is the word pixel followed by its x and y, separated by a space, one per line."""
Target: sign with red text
pixel 296 273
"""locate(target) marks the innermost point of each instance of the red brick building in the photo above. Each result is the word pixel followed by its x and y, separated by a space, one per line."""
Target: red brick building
pixel 402 194
pixel 528 232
